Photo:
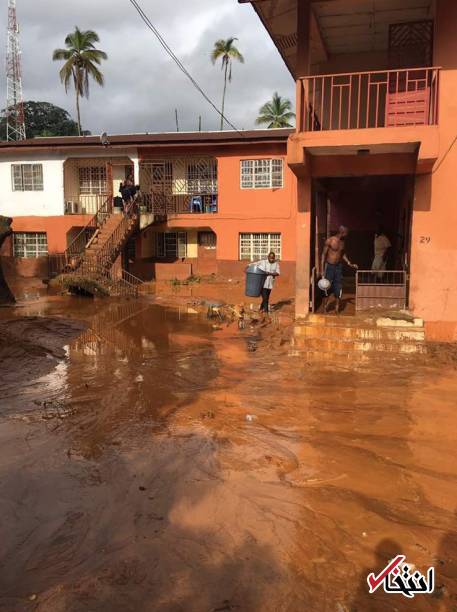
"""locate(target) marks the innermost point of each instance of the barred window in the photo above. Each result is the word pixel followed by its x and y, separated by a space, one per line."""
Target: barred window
pixel 92 180
pixel 201 176
pixel 257 246
pixel 27 177
pixel 30 244
pixel 171 244
pixel 262 173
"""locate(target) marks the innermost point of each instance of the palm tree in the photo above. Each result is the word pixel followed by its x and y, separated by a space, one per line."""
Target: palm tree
pixel 277 113
pixel 81 61
pixel 226 50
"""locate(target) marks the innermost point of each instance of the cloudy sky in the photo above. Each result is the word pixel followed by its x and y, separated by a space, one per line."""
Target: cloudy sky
pixel 143 85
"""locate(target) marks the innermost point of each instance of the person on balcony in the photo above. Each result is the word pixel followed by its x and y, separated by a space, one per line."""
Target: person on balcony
pixel 333 257
pixel 128 192
pixel 271 268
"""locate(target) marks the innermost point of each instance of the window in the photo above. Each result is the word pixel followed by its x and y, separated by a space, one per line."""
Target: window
pixel 261 173
pixel 27 177
pixel 30 244
pixel 171 245
pixel 257 246
pixel 207 240
pixel 92 180
pixel 201 176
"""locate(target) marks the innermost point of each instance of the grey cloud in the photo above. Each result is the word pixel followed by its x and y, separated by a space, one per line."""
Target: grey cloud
pixel 143 85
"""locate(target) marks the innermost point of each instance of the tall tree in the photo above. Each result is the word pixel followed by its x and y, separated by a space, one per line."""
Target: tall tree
pixel 277 113
pixel 81 63
pixel 44 119
pixel 227 52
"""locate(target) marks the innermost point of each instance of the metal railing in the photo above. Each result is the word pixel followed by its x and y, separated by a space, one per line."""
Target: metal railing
pixel 179 204
pixel 84 203
pixel 359 100
pixel 111 248
pixel 122 284
pixel 384 289
pixel 75 251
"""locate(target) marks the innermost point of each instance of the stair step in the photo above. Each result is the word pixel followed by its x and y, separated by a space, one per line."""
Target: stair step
pixel 352 332
pixel 365 346
pixel 379 320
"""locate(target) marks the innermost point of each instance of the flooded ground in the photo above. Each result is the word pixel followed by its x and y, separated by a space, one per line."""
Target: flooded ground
pixel 151 459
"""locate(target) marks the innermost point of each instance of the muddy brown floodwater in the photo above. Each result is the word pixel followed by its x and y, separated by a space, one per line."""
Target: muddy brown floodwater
pixel 131 479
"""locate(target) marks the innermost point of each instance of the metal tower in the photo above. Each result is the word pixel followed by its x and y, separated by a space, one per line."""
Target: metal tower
pixel 15 126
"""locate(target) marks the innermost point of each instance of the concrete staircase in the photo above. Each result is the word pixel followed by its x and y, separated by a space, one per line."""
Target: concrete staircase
pixel 89 260
pixel 358 338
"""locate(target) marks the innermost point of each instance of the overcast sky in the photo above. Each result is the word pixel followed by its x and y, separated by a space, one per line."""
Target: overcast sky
pixel 143 85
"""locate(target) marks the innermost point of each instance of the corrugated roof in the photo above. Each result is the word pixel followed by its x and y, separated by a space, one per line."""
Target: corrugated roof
pixel 149 140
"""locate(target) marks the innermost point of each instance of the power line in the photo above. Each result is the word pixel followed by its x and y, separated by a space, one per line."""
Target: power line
pixel 178 62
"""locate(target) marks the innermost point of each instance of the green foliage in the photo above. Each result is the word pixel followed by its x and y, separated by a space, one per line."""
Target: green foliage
pixel 82 60
pixel 277 113
pixel 44 119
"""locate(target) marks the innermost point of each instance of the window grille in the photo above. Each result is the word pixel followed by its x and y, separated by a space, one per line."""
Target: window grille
pixel 176 176
pixel 171 245
pixel 257 246
pixel 262 173
pixel 30 244
pixel 92 180
pixel 27 177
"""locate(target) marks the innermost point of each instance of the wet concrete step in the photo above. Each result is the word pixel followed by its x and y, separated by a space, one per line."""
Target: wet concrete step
pixel 347 345
pixel 347 358
pixel 365 320
pixel 352 332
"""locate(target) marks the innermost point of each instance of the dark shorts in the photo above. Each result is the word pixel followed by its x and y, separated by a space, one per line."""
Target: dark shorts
pixel 334 274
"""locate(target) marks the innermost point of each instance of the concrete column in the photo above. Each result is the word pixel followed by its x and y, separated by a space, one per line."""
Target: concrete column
pixel 303 271
pixel 136 170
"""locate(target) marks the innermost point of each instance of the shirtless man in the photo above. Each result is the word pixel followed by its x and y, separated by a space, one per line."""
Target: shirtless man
pixel 332 265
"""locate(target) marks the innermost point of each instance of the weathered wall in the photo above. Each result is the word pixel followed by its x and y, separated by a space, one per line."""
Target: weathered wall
pixel 434 242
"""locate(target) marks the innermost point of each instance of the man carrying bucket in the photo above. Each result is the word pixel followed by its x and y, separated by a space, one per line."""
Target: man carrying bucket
pixel 271 268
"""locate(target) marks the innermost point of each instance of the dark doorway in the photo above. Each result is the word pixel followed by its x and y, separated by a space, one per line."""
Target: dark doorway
pixel 362 204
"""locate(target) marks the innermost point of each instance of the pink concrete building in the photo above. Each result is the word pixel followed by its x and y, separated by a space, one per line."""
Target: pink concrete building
pixel 375 144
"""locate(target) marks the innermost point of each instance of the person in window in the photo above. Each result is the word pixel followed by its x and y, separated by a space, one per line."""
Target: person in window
pixel 271 268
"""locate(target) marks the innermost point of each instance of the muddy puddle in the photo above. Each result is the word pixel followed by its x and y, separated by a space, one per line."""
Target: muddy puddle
pixel 151 459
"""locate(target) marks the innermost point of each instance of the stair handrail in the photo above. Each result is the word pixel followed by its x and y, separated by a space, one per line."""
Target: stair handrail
pixel 78 245
pixel 107 253
pixel 126 283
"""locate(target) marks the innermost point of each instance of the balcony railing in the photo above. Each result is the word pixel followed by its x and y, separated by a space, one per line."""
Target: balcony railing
pixel 84 204
pixel 389 98
pixel 163 204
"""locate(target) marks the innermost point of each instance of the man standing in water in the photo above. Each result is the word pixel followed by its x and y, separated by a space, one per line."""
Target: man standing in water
pixel 271 268
pixel 332 266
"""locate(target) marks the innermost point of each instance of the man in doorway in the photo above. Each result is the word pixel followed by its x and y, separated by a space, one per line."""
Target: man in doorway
pixel 382 246
pixel 332 266
pixel 271 268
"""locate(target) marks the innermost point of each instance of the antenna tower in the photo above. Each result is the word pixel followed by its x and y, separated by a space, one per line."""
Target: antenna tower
pixel 15 118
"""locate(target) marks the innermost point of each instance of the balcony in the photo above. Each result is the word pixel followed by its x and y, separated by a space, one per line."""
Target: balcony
pixel 179 186
pixel 363 100
pixel 162 204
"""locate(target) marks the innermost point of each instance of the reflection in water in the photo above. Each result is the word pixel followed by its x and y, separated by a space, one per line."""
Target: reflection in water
pixel 130 478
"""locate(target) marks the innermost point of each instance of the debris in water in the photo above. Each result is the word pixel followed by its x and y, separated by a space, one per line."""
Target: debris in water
pixel 251 417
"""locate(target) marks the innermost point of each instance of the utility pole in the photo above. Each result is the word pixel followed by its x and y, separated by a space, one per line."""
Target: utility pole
pixel 176 119
pixel 15 118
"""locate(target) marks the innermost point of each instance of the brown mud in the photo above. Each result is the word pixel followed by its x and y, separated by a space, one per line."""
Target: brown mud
pixel 161 460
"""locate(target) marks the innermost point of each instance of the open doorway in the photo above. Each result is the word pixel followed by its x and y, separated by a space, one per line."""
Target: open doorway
pixel 363 205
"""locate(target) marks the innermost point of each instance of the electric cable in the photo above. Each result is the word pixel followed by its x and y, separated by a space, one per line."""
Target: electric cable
pixel 178 62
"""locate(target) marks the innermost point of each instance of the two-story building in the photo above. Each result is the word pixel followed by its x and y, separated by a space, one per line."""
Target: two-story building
pixel 375 144
pixel 210 201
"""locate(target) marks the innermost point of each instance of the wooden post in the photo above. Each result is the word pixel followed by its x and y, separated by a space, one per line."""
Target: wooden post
pixel 303 38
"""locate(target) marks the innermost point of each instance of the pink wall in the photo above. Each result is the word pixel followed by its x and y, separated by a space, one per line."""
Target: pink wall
pixel 249 210
pixel 434 239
